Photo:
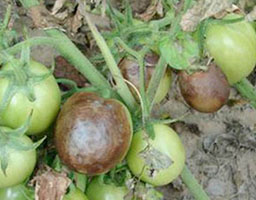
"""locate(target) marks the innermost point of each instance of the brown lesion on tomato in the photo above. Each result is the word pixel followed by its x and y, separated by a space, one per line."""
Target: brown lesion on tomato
pixel 205 91
pixel 92 134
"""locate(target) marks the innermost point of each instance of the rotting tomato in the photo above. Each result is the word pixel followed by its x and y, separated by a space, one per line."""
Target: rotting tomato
pixel 130 71
pixel 17 192
pixel 92 134
pixel 21 162
pixel 233 47
pixel 156 161
pixel 98 190
pixel 45 103
pixel 75 194
pixel 205 91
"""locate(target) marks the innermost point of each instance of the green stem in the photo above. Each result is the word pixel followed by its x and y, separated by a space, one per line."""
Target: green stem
pixel 33 42
pixel 247 90
pixel 29 3
pixel 194 187
pixel 122 88
pixel 140 58
pixel 155 80
pixel 68 50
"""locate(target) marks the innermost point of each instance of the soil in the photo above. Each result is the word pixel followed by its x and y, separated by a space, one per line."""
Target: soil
pixel 221 147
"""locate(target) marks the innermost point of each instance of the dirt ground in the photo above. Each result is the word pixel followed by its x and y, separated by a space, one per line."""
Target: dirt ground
pixel 221 147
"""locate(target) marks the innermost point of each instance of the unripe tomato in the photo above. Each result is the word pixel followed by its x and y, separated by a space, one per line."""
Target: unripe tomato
pixel 21 164
pixel 75 194
pixel 45 105
pixel 233 47
pixel 101 191
pixel 156 161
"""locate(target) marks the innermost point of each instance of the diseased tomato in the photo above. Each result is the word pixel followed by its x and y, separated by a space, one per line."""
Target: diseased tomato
pixel 45 105
pixel 75 194
pixel 92 134
pixel 130 71
pixel 205 91
pixel 101 191
pixel 21 163
pixel 158 161
pixel 233 47
pixel 18 192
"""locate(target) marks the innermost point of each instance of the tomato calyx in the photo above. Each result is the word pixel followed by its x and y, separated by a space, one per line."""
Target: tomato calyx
pixel 12 139
pixel 20 77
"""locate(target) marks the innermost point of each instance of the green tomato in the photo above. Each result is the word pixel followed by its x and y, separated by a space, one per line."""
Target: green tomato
pixel 75 194
pixel 18 192
pixel 45 106
pixel 233 47
pixel 158 161
pixel 20 164
pixel 100 191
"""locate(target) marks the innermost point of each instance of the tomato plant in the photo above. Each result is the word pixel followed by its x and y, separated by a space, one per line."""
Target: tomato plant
pixel 156 161
pixel 35 89
pixel 130 71
pixel 97 190
pixel 92 134
pixel 16 158
pixel 233 47
pixel 75 194
pixel 205 91
pixel 18 192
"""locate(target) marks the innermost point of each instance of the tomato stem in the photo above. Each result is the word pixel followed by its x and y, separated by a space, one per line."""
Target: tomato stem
pixel 155 80
pixel 247 90
pixel 121 87
pixel 194 187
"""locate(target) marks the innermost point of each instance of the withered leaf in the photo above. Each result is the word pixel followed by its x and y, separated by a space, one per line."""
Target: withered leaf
pixel 252 15
pixel 202 10
pixel 51 185
pixel 57 6
pixel 156 7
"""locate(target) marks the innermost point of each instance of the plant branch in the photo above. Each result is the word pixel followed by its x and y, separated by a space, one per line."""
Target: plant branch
pixel 194 187
pixel 122 88
pixel 246 89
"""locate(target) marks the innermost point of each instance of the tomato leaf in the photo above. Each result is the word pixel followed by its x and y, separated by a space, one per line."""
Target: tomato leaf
pixel 179 55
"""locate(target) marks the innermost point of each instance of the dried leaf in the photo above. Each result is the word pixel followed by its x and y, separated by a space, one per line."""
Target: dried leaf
pixel 252 15
pixel 202 10
pixel 77 21
pixel 155 8
pixel 51 185
pixel 61 16
pixel 42 18
pixel 57 6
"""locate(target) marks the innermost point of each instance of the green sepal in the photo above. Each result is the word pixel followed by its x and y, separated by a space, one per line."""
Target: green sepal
pixel 8 94
pixel 4 159
pixel 23 129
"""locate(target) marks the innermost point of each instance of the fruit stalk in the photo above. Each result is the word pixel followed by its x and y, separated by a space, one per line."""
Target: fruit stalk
pixel 246 89
pixel 194 187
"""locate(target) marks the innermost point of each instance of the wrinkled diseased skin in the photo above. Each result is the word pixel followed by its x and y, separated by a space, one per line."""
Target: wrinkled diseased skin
pixel 92 134
pixel 205 91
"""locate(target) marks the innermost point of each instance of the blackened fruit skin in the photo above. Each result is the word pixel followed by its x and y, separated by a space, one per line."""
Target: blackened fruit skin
pixel 92 134
pixel 205 91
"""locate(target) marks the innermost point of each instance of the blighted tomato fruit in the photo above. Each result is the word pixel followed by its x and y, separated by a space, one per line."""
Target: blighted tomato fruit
pixel 92 134
pixel 130 70
pixel 205 91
